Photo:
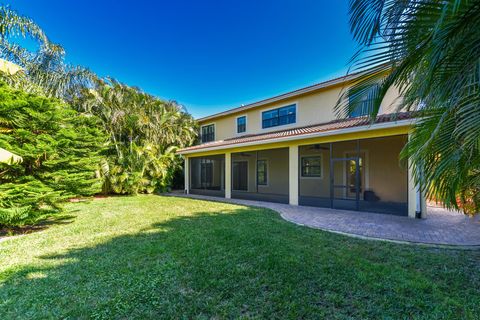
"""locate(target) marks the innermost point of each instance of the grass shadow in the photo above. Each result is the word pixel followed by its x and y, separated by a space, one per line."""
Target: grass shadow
pixel 42 224
pixel 245 263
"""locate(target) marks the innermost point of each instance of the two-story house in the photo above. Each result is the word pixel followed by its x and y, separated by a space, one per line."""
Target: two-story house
pixel 292 149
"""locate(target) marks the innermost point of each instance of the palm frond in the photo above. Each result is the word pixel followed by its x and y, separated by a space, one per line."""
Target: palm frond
pixel 430 51
pixel 46 71
pixel 14 24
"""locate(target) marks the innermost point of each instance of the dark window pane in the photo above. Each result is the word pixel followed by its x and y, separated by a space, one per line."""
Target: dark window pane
pixel 241 120
pixel 280 116
pixel 208 133
pixel 240 175
pixel 364 103
pixel 292 118
pixel 286 111
pixel 207 174
pixel 283 112
pixel 241 124
pixel 361 110
pixel 270 114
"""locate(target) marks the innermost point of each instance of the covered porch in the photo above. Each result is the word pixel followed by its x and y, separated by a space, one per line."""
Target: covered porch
pixel 261 175
pixel 347 164
pixel 362 174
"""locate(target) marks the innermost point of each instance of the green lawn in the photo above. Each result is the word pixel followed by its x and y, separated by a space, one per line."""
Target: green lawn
pixel 158 257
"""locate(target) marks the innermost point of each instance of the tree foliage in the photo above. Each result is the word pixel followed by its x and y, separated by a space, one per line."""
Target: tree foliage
pixel 45 72
pixel 430 51
pixel 13 24
pixel 61 151
pixel 144 133
pixel 99 134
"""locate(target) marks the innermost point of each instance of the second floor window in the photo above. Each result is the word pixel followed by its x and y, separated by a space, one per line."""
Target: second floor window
pixel 365 104
pixel 363 109
pixel 208 133
pixel 279 117
pixel 241 124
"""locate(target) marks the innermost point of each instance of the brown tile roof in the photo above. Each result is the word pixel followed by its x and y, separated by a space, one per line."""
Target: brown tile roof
pixel 316 128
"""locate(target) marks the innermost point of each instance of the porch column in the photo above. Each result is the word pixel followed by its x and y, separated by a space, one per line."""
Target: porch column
pixel 293 175
pixel 186 172
pixel 423 205
pixel 416 199
pixel 228 175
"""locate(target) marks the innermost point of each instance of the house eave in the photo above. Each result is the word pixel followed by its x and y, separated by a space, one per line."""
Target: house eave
pixel 377 126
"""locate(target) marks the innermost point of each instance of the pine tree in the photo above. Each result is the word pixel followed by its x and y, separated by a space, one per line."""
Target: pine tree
pixel 61 151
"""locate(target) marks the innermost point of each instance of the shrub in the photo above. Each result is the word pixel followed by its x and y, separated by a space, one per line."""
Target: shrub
pixel 15 216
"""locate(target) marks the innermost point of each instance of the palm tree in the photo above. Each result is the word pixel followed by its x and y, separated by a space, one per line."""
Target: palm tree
pixel 13 24
pixel 44 70
pixel 144 134
pixel 430 51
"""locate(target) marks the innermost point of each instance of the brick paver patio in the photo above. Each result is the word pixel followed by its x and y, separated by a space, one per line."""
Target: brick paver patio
pixel 441 227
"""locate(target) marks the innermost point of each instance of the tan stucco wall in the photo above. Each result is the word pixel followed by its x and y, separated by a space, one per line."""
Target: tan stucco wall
pixel 316 186
pixel 277 171
pixel 386 175
pixel 312 108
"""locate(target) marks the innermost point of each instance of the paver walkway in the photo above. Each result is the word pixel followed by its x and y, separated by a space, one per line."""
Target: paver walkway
pixel 441 227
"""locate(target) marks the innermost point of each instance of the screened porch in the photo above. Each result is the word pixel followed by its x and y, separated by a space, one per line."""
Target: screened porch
pixel 261 175
pixel 363 175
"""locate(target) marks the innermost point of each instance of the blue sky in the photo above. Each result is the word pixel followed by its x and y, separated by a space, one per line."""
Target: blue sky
pixel 207 55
